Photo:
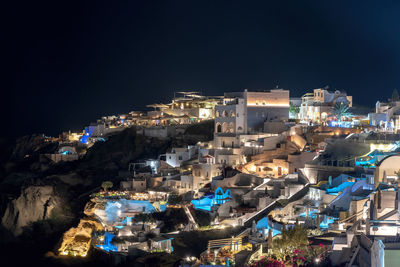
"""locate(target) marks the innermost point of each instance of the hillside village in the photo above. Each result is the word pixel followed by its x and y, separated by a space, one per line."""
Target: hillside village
pixel 247 178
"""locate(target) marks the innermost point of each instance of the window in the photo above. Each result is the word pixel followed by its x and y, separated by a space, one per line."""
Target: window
pixel 217 114
pixel 180 157
pixel 224 113
pixel 219 128
pixel 232 113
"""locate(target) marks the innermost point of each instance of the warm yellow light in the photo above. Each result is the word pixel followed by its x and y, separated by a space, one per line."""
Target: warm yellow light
pixel 269 105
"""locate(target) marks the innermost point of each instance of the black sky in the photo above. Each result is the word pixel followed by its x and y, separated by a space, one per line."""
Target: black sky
pixel 72 62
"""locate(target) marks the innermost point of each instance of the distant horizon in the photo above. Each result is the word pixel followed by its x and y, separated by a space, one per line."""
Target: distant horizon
pixel 70 64
pixel 81 124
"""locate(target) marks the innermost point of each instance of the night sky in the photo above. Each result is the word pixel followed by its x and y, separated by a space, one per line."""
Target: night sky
pixel 69 63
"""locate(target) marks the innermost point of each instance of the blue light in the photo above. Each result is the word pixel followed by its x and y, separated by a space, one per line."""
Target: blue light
pixel 86 135
pixel 339 188
pixel 265 226
pixel 207 202
pixel 108 246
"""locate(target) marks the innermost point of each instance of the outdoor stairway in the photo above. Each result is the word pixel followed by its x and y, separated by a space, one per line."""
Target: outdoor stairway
pixel 248 218
pixel 190 217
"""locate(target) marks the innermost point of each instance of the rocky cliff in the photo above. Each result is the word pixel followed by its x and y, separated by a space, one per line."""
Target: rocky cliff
pixel 35 203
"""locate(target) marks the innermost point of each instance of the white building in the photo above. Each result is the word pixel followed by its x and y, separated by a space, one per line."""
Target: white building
pixel 386 116
pixel 317 106
pixel 246 112
pixel 179 155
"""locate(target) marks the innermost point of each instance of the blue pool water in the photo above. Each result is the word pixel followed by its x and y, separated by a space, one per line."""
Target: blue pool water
pixel 114 209
pixel 108 246
pixel 263 225
pixel 163 207
pixel 204 203
pixel 339 188
pixel 322 225
pixel 207 202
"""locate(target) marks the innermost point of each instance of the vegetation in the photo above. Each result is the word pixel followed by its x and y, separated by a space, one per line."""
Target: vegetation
pixel 143 217
pixel 172 219
pixel 175 199
pixel 293 109
pixel 202 218
pixel 107 185
pixel 293 248
pixel 395 95
pixel 341 110
pixel 205 128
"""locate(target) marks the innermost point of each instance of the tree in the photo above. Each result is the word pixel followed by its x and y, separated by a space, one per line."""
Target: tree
pixel 143 217
pixel 269 240
pixel 106 185
pixel 395 95
pixel 202 218
pixel 294 110
pixel 291 239
pixel 341 110
pixel 174 199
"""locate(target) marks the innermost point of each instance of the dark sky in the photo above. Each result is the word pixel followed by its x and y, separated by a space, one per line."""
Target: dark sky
pixel 72 62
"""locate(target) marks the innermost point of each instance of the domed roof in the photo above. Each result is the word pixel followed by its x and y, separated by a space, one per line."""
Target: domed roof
pixel 390 158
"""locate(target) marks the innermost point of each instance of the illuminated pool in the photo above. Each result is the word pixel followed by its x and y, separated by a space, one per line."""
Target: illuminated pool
pixel 204 203
pixel 207 202
pixel 115 209
pixel 339 188
pixel 264 225
pixel 324 222
pixel 108 246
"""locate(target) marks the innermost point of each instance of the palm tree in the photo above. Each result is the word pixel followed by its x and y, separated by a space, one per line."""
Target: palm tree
pixel 341 110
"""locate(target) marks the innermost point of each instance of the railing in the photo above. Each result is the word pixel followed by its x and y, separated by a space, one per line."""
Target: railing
pixel 190 217
pixel 244 233
pixel 246 220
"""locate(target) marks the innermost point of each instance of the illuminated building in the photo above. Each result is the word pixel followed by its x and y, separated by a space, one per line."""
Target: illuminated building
pixel 386 116
pixel 246 112
pixel 316 107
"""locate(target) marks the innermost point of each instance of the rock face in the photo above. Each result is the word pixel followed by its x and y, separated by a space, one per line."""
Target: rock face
pixel 35 203
pixel 76 241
